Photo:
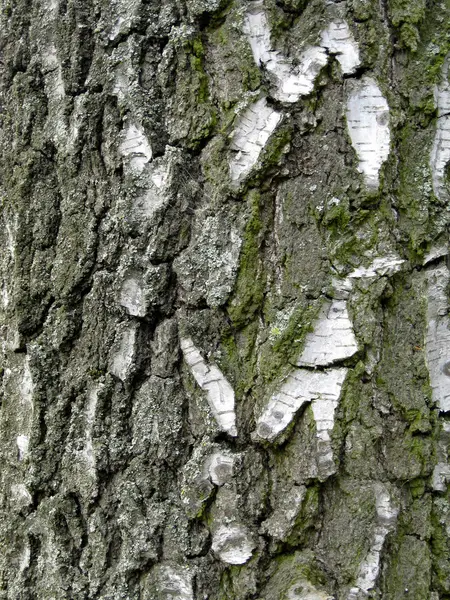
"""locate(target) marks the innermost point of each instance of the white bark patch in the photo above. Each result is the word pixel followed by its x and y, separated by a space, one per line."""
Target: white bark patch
pixel 323 410
pixel 123 81
pixel 219 392
pixel 24 561
pixel 145 205
pixel 5 296
pixel 253 130
pixel 79 105
pixel 126 11
pixel 308 592
pixel 135 148
pixel 338 39
pixel 332 339
pixel 123 358
pixel 233 544
pixel 20 495
pixel 381 266
pixel 256 28
pixel 11 232
pixel 300 387
pixel 441 477
pixel 173 582
pixel 160 175
pixel 25 389
pixel 368 125
pixel 91 408
pixel 220 468
pixel 441 472
pixel 437 345
pixel 52 7
pixel 132 296
pixel 370 567
pixel 53 77
pixel 435 253
pixel 55 92
pixel 291 82
pixel 23 446
pixel 440 152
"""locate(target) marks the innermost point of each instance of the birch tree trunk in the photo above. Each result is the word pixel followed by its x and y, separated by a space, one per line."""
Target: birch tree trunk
pixel 225 344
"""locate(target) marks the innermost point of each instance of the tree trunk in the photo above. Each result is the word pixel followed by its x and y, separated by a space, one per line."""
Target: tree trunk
pixel 224 306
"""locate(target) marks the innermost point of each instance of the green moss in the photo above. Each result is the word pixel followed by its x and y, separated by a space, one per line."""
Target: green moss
pixel 280 21
pixel 407 15
pixel 297 571
pixel 354 390
pixel 277 146
pixel 96 373
pixel 351 233
pixel 225 591
pixel 417 488
pixel 440 547
pixel 238 358
pixel 196 58
pixel 232 64
pixel 284 350
pixel 402 371
pixel 306 521
pixel 409 569
pixel 337 218
pixel 193 94
pixel 248 295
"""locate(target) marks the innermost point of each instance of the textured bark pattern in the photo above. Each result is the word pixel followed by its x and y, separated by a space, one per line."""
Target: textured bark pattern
pixel 224 300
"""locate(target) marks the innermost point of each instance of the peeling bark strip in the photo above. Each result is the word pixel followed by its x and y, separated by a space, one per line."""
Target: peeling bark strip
pixel 331 341
pixel 370 567
pixel 250 136
pixel 381 266
pixel 300 387
pixel 219 393
pixel 135 148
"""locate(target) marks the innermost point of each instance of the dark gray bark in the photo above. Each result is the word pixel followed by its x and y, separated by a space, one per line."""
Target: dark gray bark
pixel 224 307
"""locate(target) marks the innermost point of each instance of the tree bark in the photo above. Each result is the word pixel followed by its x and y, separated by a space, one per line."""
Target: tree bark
pixel 224 308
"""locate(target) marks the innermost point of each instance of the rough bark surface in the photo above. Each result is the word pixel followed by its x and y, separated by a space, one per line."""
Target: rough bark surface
pixel 224 300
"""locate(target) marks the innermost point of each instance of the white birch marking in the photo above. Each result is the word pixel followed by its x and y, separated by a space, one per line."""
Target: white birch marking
pixel 135 148
pixel 253 130
pixel 219 392
pixel 440 152
pixel 368 125
pixel 332 339
pixel 437 345
pixel 338 39
pixel 300 387
pixel 290 81
pixel 370 567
